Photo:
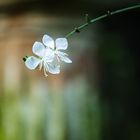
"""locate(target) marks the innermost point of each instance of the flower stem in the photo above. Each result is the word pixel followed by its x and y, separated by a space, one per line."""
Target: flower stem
pixel 78 29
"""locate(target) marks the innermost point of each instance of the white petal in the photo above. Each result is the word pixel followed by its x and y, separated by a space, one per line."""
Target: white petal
pixel 49 55
pixel 52 68
pixel 61 43
pixel 63 57
pixel 32 62
pixel 38 49
pixel 48 41
pixel 61 53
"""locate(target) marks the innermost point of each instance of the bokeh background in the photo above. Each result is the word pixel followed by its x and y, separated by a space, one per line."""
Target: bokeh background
pixel 94 98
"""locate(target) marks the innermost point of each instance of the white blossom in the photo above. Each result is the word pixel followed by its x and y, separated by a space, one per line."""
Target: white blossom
pixel 48 55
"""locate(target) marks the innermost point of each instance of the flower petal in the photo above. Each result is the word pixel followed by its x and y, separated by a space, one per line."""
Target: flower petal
pixel 61 53
pixel 38 49
pixel 49 55
pixel 61 43
pixel 52 68
pixel 63 57
pixel 48 41
pixel 32 62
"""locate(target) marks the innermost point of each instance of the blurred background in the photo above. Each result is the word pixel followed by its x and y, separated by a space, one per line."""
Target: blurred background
pixel 94 98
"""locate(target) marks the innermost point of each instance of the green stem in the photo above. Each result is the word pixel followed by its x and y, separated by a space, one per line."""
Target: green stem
pixel 78 29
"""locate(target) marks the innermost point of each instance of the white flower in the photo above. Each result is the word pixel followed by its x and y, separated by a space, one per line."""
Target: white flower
pixel 45 58
pixel 47 53
pixel 56 46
